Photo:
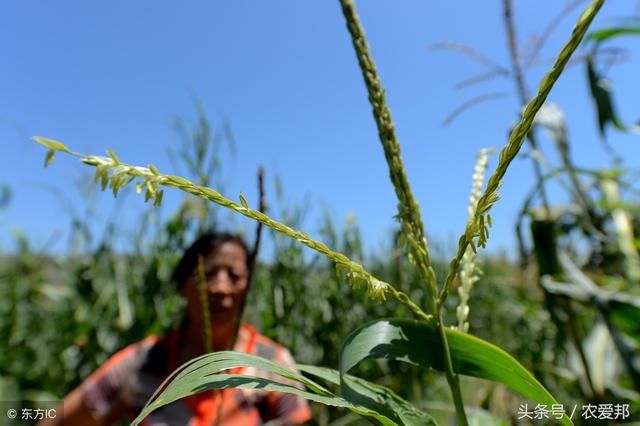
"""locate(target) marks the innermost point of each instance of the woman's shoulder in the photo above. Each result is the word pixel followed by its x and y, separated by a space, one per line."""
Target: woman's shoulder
pixel 112 389
pixel 251 341
pixel 129 358
pixel 290 408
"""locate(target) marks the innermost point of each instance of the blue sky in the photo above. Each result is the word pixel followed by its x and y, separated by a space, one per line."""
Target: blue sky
pixel 114 74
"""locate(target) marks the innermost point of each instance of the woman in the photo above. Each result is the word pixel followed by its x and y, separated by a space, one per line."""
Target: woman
pixel 121 387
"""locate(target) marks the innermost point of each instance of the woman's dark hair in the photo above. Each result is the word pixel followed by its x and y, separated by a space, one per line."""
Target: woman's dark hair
pixel 201 247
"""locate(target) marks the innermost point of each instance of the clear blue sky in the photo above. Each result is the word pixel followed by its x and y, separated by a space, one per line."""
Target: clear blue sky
pixel 113 74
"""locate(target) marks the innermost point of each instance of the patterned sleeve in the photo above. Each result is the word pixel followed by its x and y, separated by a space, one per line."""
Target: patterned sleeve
pixel 109 393
pixel 288 408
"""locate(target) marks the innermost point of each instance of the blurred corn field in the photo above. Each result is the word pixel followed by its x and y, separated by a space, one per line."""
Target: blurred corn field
pixel 62 316
pixel 568 309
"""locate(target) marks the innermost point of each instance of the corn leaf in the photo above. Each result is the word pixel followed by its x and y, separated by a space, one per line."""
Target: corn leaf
pixel 207 372
pixel 631 27
pixel 418 343
pixel 375 397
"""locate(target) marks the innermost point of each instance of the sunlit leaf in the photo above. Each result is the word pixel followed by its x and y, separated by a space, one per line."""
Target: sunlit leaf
pixel 208 372
pixel 419 343
pixel 632 27
pixel 375 397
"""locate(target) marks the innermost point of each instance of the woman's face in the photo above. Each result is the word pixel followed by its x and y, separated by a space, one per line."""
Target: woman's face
pixel 226 278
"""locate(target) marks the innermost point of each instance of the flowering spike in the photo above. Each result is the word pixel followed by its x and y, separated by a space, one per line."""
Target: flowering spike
pixel 376 290
pixel 480 234
pixel 150 179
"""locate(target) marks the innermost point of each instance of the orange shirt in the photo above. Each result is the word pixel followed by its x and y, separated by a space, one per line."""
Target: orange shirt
pixel 129 378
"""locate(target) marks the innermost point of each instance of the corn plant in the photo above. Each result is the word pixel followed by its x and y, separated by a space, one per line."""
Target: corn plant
pixel 597 224
pixel 426 341
pixel 592 304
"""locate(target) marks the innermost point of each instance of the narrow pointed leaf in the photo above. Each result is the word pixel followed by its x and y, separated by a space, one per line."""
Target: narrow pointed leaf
pixel 632 27
pixel 603 98
pixel 375 397
pixel 208 372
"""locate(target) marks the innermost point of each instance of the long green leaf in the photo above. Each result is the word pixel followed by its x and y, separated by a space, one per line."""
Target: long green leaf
pixel 207 372
pixel 631 27
pixel 418 343
pixel 375 397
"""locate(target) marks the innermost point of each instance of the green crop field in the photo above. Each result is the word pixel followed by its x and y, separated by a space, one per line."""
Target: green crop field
pixel 406 336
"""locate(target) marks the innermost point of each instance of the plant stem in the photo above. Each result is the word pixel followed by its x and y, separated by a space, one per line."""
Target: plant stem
pixel 477 226
pixel 452 377
pixel 408 211
pixel 204 301
pixel 578 337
